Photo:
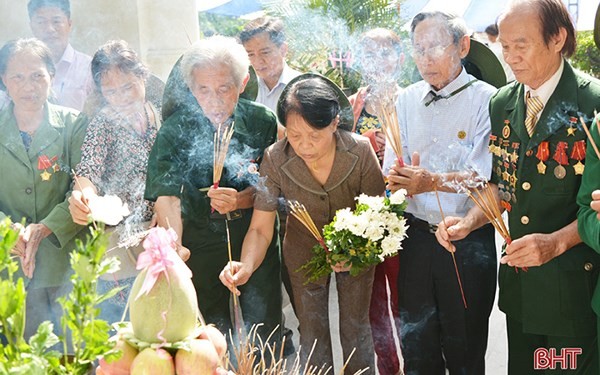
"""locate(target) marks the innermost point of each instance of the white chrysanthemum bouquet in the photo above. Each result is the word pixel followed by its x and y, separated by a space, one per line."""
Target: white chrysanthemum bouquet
pixel 360 238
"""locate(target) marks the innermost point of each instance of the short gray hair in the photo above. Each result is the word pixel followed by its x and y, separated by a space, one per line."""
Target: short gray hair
pixel 214 52
pixel 455 25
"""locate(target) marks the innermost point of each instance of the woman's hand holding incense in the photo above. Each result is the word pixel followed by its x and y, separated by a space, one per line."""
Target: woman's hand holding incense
pixel 235 274
pixel 34 234
pixel 595 205
pixel 79 205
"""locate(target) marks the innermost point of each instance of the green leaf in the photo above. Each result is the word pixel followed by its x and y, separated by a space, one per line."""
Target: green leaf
pixel 43 339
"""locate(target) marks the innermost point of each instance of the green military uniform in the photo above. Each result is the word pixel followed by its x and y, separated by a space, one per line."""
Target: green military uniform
pixel 180 164
pixel 34 186
pixel 553 300
pixel 587 220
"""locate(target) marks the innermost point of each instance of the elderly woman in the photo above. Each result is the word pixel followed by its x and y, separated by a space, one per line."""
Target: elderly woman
pixel 40 144
pixel 209 216
pixel 114 158
pixel 317 117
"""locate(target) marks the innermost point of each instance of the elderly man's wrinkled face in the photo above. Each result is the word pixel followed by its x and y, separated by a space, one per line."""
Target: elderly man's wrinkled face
pixel 531 60
pixel 216 92
pixel 52 26
pixel 27 81
pixel 381 60
pixel 437 57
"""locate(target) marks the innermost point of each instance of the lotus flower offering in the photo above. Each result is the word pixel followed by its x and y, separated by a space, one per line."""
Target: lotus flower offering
pixel 165 335
pixel 360 238
pixel 108 209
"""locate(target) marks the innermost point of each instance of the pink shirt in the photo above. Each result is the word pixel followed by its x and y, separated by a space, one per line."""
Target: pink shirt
pixel 73 80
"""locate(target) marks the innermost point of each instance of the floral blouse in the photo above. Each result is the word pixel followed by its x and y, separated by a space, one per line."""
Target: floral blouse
pixel 114 158
pixel 367 121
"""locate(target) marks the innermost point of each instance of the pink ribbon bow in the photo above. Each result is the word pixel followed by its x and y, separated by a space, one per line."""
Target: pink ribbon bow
pixel 158 256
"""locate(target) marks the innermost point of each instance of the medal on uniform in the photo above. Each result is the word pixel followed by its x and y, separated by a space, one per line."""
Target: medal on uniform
pixel 506 129
pixel 572 126
pixel 543 152
pixel 45 163
pixel 492 146
pixel 514 156
pixel 560 155
pixel 578 154
pixel 462 134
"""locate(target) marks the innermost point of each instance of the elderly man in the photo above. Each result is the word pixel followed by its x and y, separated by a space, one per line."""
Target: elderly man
pixel 537 166
pixel 50 22
pixel 211 216
pixel 443 119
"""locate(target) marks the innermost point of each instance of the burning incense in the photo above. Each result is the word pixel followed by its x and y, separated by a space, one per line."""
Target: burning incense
pixel 299 212
pixel 236 313
pixel 485 199
pixel 221 144
pixel 389 124
pixel 462 292
pixel 589 135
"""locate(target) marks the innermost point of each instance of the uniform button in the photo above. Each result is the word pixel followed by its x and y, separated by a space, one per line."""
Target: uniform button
pixel 524 220
pixel 434 140
pixel 322 198
pixel 529 152
pixel 588 266
pixel 526 186
pixel 28 190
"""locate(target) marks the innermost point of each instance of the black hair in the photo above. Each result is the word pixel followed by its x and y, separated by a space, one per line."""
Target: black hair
pixel 313 99
pixel 34 46
pixel 116 54
pixel 34 5
pixel 270 25
pixel 492 30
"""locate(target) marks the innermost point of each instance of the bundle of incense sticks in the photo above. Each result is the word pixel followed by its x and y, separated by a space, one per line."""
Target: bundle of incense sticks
pixel 485 199
pixel 299 212
pixel 389 124
pixel 589 135
pixel 462 292
pixel 221 144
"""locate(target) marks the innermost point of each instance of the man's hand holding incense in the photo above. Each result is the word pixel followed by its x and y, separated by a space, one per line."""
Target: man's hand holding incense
pixel 413 178
pixel 223 199
pixel 532 250
pixel 452 229
pixel 235 274
pixel 595 205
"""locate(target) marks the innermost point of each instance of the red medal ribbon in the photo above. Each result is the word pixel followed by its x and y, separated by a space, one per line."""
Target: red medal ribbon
pixel 560 155
pixel 543 151
pixel 43 162
pixel 578 152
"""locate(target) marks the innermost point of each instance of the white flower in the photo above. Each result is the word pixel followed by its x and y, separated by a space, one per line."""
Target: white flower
pixel 398 197
pixel 343 219
pixel 374 203
pixel 390 246
pixel 108 209
pixel 374 232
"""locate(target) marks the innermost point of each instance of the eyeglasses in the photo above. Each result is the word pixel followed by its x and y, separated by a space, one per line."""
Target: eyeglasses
pixel 435 51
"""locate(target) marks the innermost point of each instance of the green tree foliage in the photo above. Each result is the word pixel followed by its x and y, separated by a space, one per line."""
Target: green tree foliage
pixel 587 55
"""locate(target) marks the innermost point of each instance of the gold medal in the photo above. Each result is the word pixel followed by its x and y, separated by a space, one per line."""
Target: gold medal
pixel 579 167
pixel 560 172
pixel 462 134
pixel 506 131
pixel 541 167
pixel 45 176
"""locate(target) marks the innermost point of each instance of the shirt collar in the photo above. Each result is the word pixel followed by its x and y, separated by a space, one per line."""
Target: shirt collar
pixel 545 91
pixel 462 79
pixel 69 55
pixel 287 74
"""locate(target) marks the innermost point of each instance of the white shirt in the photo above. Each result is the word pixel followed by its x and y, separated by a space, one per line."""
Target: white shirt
pixel 449 135
pixel 73 79
pixel 268 97
pixel 545 91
